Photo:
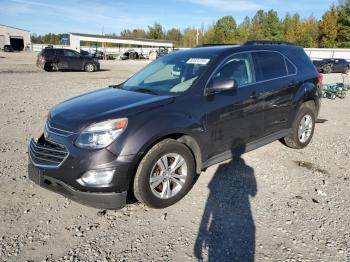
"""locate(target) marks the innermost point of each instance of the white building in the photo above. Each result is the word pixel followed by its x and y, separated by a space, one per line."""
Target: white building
pixel 17 38
pixel 77 38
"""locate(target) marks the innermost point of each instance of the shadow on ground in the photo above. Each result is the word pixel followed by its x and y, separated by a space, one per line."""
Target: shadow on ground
pixel 227 230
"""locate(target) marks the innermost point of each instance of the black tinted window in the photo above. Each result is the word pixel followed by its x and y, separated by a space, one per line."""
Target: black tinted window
pixel 269 65
pixel 71 53
pixel 238 68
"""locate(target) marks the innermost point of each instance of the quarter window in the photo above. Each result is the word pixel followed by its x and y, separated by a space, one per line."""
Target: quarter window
pixel 290 68
pixel 269 65
pixel 239 68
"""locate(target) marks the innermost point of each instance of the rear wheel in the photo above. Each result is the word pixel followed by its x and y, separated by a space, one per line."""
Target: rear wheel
pixel 303 127
pixel 165 174
pixel 89 67
pixel 48 67
pixel 346 71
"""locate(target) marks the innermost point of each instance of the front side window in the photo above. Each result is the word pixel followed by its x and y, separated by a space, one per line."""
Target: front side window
pixel 269 65
pixel 71 53
pixel 238 68
pixel 171 74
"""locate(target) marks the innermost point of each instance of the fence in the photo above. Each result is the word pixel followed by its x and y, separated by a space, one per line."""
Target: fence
pixel 321 53
pixel 107 50
pixel 313 53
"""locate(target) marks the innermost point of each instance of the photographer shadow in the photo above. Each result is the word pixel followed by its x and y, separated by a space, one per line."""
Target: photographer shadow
pixel 227 229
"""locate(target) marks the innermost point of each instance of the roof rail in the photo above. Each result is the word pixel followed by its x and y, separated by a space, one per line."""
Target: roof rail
pixel 208 45
pixel 267 42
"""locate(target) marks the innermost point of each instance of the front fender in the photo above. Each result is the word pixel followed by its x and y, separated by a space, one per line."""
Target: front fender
pixel 139 138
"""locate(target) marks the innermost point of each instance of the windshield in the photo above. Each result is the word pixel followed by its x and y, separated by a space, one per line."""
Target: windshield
pixel 171 74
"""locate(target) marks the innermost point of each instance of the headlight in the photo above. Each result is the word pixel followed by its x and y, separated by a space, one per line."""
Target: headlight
pixel 101 134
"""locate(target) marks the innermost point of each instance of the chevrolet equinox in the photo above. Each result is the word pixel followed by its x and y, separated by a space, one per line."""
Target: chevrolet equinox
pixel 184 112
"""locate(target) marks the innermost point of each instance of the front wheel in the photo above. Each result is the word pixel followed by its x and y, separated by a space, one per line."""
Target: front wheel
pixel 165 174
pixel 303 127
pixel 89 67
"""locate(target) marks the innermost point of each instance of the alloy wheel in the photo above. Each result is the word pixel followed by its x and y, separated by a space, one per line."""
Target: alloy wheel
pixel 168 176
pixel 305 128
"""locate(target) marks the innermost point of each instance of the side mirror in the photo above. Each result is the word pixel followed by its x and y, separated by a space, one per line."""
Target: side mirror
pixel 221 85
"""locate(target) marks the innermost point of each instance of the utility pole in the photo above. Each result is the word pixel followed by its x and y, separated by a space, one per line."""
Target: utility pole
pixel 197 38
pixel 103 44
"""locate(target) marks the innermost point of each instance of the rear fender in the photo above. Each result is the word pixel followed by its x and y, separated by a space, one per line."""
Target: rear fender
pixel 306 92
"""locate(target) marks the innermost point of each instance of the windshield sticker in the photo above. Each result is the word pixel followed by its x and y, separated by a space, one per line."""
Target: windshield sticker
pixel 198 61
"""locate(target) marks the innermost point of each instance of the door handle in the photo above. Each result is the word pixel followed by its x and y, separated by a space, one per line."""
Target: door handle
pixel 255 95
pixel 293 83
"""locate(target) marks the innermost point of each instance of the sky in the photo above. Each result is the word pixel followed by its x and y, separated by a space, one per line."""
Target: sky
pixel 63 16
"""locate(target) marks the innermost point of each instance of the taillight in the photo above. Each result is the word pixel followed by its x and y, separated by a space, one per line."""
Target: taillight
pixel 319 79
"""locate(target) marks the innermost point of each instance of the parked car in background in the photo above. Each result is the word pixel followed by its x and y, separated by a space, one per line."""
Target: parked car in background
pixel 188 110
pixel 100 55
pixel 85 53
pixel 332 65
pixel 8 48
pixel 130 54
pixel 51 59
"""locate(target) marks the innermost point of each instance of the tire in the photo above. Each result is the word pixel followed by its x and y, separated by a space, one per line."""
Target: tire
pixel 48 67
pixel 324 95
pixel 294 139
pixel 155 194
pixel 333 96
pixel 343 95
pixel 346 71
pixel 89 67
pixel 327 69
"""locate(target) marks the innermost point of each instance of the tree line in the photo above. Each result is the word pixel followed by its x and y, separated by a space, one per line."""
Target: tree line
pixel 333 30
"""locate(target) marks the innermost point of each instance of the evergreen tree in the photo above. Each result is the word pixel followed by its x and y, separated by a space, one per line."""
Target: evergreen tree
pixel 343 34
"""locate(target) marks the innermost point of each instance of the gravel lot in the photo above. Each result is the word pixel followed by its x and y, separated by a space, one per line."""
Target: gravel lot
pixel 266 206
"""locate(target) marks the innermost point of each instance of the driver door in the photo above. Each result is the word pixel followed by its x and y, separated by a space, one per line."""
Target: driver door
pixel 235 117
pixel 70 60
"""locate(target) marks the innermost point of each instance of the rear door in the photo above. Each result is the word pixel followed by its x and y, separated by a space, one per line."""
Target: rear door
pixel 276 75
pixel 235 117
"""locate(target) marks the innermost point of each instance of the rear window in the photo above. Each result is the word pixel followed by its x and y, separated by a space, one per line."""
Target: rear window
pixel 269 65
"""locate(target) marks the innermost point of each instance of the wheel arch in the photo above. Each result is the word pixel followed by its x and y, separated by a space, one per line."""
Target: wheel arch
pixel 308 92
pixel 186 139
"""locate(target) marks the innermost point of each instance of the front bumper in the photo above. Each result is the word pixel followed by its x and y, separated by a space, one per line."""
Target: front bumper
pixel 57 164
pixel 103 200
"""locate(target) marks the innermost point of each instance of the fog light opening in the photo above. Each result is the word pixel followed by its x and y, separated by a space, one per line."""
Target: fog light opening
pixel 97 178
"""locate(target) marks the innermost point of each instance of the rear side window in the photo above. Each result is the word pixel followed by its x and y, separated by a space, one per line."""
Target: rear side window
pixel 269 65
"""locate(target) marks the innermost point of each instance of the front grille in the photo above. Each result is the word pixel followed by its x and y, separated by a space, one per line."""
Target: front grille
pixel 47 153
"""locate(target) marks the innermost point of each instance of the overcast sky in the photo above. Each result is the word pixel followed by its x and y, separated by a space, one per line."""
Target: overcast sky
pixel 88 16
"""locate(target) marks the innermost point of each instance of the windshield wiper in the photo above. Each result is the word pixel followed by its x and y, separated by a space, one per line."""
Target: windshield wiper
pixel 145 90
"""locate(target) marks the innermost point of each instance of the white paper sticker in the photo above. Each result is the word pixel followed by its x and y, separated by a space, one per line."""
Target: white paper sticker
pixel 198 61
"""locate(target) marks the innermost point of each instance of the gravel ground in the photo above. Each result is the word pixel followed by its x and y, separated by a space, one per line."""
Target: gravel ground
pixel 273 204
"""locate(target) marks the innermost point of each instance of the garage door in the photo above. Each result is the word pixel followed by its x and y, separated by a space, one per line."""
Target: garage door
pixel 17 43
pixel 2 41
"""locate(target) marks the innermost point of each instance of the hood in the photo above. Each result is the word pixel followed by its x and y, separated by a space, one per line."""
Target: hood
pixel 81 111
